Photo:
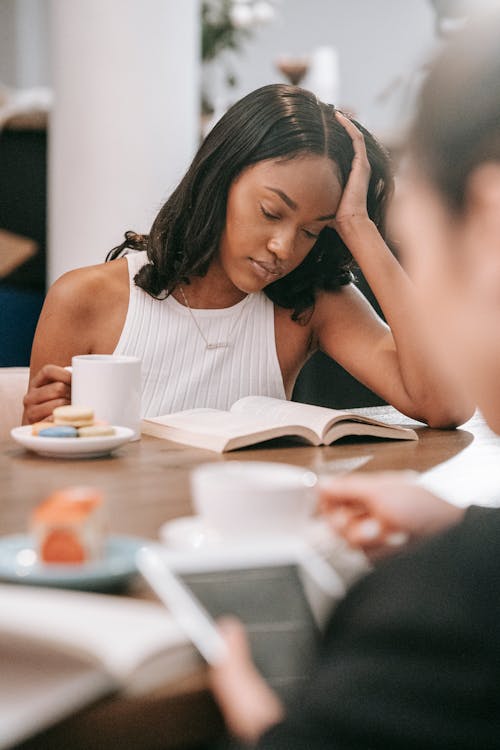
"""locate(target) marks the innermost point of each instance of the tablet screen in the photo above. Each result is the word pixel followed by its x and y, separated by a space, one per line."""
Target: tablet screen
pixel 271 603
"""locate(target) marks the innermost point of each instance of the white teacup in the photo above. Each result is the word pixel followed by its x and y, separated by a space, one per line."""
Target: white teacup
pixel 111 385
pixel 244 498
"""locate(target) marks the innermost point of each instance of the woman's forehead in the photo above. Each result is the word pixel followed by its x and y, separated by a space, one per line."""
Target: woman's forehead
pixel 302 164
pixel 304 178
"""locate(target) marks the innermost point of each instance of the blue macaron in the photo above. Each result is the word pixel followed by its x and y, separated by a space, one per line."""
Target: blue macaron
pixel 59 431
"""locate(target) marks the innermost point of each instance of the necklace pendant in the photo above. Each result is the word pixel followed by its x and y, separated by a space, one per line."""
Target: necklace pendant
pixel 218 345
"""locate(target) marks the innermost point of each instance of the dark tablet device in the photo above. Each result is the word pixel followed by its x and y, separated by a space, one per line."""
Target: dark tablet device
pixel 282 594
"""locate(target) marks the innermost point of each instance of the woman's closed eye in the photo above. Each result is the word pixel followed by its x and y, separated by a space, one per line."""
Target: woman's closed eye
pixel 276 217
pixel 310 235
pixel 269 214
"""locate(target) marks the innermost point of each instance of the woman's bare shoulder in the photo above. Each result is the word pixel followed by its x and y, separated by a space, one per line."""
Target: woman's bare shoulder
pixel 92 289
pixel 82 314
pixel 102 277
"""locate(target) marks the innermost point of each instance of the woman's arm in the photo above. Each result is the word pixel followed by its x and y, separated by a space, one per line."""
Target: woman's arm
pixel 83 313
pixel 399 361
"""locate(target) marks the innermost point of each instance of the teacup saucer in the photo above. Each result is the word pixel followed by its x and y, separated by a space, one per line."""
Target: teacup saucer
pixel 189 533
pixel 193 534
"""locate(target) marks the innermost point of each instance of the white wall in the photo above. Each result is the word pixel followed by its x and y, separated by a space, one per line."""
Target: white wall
pixel 24 43
pixel 125 122
pixel 8 73
pixel 32 43
pixel 377 41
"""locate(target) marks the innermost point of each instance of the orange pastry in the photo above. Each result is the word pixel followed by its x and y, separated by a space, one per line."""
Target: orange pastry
pixel 68 526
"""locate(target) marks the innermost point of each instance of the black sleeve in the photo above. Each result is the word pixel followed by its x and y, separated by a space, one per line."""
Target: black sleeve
pixel 411 656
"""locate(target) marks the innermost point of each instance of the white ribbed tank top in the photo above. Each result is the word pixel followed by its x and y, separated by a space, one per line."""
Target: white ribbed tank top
pixel 178 372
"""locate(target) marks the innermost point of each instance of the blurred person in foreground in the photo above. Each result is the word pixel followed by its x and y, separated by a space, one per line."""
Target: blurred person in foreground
pixel 411 657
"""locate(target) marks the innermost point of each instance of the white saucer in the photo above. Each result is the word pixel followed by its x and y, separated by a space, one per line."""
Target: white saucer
pixel 193 533
pixel 88 447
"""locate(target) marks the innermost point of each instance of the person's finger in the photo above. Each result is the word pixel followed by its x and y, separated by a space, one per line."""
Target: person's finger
pixel 341 516
pixel 361 487
pixel 346 490
pixel 50 373
pixel 236 639
pixel 40 412
pixel 366 533
pixel 370 533
pixel 247 702
pixel 49 392
pixel 357 138
pixel 396 539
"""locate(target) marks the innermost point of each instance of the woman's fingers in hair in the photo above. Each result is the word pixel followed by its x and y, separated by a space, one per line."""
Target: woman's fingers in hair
pixel 356 135
pixel 357 138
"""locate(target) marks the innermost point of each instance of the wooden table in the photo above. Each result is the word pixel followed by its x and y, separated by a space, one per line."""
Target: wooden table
pixel 146 484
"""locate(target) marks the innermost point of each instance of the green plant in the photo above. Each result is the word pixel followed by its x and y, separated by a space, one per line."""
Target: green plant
pixel 218 31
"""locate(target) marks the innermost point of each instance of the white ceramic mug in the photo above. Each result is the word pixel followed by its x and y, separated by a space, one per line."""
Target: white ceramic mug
pixel 242 498
pixel 111 385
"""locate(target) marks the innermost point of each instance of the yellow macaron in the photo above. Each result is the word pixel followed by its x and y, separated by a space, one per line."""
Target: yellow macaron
pixel 75 416
pixel 96 430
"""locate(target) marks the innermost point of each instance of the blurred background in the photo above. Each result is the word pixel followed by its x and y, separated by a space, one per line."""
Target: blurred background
pixel 103 104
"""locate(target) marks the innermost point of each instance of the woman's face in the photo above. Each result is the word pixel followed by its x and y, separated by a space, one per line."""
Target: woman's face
pixel 454 260
pixel 275 212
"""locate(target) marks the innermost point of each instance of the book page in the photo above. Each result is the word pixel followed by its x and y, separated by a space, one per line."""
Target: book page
pixel 217 423
pixel 281 412
pixel 383 431
pixel 117 633
pixel 318 418
pixel 40 686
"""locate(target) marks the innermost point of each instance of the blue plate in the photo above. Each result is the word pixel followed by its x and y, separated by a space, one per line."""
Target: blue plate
pixel 19 564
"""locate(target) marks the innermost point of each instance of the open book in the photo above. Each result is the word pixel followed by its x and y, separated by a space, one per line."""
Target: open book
pixel 61 650
pixel 256 418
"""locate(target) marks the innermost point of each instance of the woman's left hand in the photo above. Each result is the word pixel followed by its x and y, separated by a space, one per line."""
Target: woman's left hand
pixel 352 206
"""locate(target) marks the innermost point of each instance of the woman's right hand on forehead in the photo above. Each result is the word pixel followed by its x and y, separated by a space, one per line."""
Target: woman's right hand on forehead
pixel 379 513
pixel 352 206
pixel 49 388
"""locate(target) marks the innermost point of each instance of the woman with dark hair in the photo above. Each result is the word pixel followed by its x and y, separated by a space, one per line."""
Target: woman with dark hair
pixel 245 273
pixel 411 657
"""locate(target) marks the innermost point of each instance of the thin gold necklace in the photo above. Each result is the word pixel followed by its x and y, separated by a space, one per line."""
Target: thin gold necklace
pixel 215 344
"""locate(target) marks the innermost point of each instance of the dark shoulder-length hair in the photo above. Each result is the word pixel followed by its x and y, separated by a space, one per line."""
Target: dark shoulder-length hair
pixel 273 122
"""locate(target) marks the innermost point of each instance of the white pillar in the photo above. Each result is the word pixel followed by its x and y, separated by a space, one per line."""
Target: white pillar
pixel 125 124
pixel 32 43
